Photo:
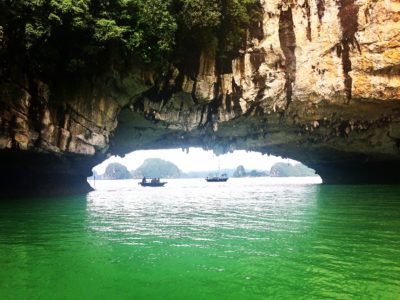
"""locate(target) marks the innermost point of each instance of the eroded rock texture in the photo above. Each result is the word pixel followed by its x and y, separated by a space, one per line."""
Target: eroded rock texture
pixel 318 81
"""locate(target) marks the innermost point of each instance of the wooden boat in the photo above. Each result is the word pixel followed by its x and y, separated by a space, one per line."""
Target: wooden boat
pixel 222 178
pixel 155 182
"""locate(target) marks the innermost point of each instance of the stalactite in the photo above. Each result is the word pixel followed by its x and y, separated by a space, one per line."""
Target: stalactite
pixel 320 8
pixel 307 8
pixel 348 16
pixel 287 41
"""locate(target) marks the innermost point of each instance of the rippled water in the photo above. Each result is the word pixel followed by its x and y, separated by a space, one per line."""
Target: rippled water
pixel 245 239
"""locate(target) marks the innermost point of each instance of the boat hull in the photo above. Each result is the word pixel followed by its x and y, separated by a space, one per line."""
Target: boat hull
pixel 152 184
pixel 216 179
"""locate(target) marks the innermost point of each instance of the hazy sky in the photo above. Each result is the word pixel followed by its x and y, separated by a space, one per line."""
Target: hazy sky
pixel 197 160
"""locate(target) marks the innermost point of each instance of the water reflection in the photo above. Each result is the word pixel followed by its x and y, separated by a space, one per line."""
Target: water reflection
pixel 194 210
pixel 248 239
pixel 356 241
pixel 35 221
pixel 310 240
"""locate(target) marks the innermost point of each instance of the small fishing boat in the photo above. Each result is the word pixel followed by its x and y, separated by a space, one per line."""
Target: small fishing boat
pixel 152 184
pixel 155 182
pixel 222 178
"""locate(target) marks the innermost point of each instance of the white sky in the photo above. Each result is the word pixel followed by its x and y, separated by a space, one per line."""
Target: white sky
pixel 197 160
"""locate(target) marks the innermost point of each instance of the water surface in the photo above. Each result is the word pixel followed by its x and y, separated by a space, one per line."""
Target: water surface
pixel 258 238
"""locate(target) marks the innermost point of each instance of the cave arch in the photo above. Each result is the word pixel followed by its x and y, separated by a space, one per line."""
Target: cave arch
pixel 54 150
pixel 298 89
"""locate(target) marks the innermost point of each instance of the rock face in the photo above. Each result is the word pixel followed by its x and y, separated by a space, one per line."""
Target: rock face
pixel 49 144
pixel 116 171
pixel 318 81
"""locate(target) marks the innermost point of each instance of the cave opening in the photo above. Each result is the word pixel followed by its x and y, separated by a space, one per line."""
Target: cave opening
pixel 197 163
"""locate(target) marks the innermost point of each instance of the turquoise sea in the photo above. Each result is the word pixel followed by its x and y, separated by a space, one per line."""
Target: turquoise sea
pixel 262 238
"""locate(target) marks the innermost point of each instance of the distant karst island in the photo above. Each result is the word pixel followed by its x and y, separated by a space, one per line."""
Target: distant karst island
pixel 159 168
pixel 288 170
pixel 151 168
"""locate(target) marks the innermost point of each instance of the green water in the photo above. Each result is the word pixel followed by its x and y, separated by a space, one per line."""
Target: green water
pixel 246 239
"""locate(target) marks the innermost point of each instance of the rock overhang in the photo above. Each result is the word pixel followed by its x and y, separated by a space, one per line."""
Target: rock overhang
pixel 317 82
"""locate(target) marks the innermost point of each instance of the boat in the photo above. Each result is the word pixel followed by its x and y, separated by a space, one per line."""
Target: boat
pixel 222 178
pixel 155 182
pixel 218 178
pixel 152 184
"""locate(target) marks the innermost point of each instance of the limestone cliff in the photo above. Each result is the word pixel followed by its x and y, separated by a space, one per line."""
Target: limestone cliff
pixel 318 81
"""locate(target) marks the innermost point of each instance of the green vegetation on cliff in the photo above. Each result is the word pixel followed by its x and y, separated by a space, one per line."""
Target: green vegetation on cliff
pixel 116 171
pixel 85 35
pixel 157 168
pixel 288 170
pixel 48 37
